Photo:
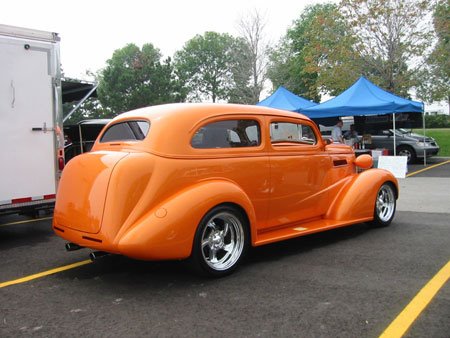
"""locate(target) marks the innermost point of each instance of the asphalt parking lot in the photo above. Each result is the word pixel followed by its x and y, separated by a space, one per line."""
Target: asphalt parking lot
pixel 350 282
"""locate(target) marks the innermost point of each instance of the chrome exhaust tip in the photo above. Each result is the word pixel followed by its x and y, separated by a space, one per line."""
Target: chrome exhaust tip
pixel 97 255
pixel 72 247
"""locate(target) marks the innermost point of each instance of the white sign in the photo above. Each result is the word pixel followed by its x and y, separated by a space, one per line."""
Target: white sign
pixel 395 164
pixel 376 154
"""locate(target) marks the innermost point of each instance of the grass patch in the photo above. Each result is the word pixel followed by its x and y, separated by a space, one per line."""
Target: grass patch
pixel 442 137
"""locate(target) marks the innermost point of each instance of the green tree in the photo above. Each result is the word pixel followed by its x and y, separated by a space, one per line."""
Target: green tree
pixel 434 81
pixel 316 54
pixel 287 61
pixel 89 109
pixel 212 66
pixel 135 78
pixel 329 50
pixel 391 38
pixel 242 89
pixel 437 121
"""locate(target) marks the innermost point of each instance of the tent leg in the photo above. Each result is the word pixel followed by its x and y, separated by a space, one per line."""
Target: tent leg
pixel 395 141
pixel 424 150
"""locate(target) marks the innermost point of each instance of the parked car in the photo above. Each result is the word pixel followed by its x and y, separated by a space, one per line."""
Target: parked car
pixel 409 144
pixel 206 181
pixel 80 137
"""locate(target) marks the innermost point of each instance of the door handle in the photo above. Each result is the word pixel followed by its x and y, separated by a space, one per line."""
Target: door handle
pixel 13 91
pixel 44 128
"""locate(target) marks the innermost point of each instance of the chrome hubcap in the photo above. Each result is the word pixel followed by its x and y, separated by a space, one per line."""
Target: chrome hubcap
pixel 385 203
pixel 222 241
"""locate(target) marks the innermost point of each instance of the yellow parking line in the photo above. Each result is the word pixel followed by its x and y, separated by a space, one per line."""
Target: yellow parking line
pixel 427 168
pixel 410 313
pixel 26 221
pixel 45 273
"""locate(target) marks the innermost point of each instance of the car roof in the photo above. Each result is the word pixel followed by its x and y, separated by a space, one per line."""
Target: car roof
pixel 194 112
pixel 95 121
pixel 173 125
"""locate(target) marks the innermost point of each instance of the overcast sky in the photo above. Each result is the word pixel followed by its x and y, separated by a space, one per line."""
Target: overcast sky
pixel 91 30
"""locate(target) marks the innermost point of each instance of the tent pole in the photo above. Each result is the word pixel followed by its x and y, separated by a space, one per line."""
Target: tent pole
pixel 395 143
pixel 424 150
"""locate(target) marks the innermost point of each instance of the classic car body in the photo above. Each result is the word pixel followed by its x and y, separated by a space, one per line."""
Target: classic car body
pixel 205 181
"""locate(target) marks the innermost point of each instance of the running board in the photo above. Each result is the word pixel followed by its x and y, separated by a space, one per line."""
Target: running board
pixel 302 229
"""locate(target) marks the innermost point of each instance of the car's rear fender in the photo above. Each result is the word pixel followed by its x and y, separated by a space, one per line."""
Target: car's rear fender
pixel 356 200
pixel 167 231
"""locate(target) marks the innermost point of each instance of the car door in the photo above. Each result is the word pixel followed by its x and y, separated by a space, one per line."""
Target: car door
pixel 298 172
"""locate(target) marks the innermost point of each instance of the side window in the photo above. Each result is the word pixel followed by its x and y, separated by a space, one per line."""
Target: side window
pixel 228 134
pixel 126 131
pixel 286 132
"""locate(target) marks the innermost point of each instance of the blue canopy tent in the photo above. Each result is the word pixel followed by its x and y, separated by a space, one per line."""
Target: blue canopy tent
pixel 286 100
pixel 364 98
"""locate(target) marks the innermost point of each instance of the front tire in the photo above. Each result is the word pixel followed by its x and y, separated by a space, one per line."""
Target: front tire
pixel 220 242
pixel 385 205
pixel 408 152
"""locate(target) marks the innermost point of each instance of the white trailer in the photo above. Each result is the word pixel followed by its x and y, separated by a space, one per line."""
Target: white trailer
pixel 31 131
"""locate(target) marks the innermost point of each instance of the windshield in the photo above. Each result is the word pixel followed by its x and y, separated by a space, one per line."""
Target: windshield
pixel 400 131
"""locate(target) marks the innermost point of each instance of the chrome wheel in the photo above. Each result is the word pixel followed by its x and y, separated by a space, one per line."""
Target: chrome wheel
pixel 385 203
pixel 222 240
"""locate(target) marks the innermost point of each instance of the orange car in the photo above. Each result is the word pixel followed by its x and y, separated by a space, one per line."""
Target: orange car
pixel 206 181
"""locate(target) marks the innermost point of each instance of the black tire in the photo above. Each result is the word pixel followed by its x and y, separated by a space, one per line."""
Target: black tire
pixel 407 151
pixel 221 241
pixel 385 205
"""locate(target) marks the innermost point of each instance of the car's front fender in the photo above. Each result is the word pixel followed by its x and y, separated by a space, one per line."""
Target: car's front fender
pixel 356 200
pixel 167 231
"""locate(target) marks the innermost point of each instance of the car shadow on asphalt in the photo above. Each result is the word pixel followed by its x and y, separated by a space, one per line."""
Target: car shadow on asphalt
pixel 299 245
pixel 117 272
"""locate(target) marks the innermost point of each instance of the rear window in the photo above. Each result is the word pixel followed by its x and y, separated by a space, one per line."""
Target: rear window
pixel 126 131
pixel 228 134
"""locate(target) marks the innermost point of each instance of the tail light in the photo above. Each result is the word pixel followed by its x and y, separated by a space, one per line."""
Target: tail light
pixel 61 163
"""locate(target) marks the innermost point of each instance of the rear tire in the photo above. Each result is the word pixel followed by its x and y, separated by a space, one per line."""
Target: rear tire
pixel 220 242
pixel 385 204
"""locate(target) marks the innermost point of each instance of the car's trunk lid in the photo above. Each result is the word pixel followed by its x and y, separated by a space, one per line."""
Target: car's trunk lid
pixel 83 188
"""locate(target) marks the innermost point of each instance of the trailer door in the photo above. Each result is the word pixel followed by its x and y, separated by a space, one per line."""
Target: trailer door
pixel 27 109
